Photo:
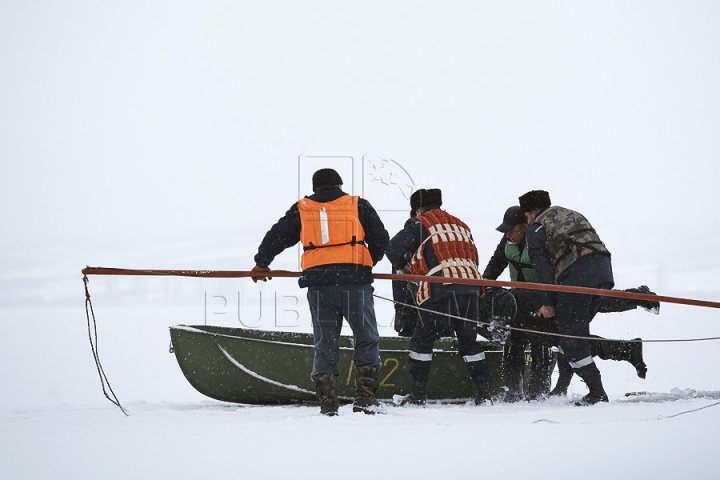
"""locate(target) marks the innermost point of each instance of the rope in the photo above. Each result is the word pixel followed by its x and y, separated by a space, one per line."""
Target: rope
pixel 686 411
pixel 518 329
pixel 92 334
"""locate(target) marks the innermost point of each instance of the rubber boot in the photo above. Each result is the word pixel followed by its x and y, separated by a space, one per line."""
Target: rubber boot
pixel 483 394
pixel 326 389
pixel 366 384
pixel 632 352
pixel 615 304
pixel 540 371
pixel 418 395
pixel 597 392
pixel 566 374
pixel 647 305
pixel 513 371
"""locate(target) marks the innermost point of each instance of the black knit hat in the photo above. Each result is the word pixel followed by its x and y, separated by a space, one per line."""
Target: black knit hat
pixel 326 176
pixel 425 198
pixel 513 216
pixel 535 200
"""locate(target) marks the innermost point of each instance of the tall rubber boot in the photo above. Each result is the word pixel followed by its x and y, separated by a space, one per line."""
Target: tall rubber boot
pixel 418 395
pixel 326 390
pixel 647 305
pixel 597 392
pixel 614 304
pixel 566 375
pixel 483 394
pixel 366 384
pixel 513 371
pixel 540 371
pixel 630 352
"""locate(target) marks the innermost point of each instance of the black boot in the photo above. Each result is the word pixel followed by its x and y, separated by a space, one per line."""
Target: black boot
pixel 633 354
pixel 513 370
pixel 630 352
pixel 483 394
pixel 566 374
pixel 615 304
pixel 540 371
pixel 648 305
pixel 597 392
pixel 326 389
pixel 366 384
pixel 418 396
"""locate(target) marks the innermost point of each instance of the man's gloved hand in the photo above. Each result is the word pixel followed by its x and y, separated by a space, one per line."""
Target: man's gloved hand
pixel 260 270
pixel 405 320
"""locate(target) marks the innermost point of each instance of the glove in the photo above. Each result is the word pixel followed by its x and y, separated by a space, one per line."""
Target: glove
pixel 405 320
pixel 413 288
pixel 260 270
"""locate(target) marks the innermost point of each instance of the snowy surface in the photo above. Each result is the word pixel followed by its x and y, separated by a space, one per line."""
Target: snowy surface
pixel 153 134
pixel 55 422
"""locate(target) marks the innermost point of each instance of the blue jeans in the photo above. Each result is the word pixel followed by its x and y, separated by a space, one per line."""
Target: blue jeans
pixel 328 306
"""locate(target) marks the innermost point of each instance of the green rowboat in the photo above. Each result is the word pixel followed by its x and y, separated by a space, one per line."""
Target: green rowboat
pixel 262 367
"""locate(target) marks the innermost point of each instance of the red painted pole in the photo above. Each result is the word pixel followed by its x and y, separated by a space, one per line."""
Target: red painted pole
pixel 409 278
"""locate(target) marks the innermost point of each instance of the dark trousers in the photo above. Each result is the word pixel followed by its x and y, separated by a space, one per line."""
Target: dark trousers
pixel 574 313
pixel 328 306
pixel 431 325
pixel 542 360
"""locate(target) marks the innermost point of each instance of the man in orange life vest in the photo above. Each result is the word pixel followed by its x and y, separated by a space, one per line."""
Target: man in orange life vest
pixel 343 238
pixel 435 243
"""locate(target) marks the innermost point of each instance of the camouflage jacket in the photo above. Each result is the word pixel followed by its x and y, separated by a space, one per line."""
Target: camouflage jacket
pixel 569 237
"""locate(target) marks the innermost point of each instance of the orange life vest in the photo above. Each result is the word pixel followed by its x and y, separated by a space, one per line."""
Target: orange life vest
pixel 452 244
pixel 331 233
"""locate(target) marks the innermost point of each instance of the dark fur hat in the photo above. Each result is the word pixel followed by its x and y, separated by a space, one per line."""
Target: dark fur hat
pixel 535 200
pixel 326 176
pixel 425 198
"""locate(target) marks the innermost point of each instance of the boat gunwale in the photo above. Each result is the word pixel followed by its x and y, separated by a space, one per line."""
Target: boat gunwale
pixel 193 329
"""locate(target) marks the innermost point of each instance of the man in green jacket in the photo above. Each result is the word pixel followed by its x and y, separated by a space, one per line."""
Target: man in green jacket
pixel 512 253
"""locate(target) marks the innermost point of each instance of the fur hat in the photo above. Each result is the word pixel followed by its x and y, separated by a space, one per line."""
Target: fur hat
pixel 513 216
pixel 425 198
pixel 535 200
pixel 326 176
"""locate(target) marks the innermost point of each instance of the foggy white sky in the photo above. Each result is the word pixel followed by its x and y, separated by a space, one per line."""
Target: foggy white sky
pixel 167 134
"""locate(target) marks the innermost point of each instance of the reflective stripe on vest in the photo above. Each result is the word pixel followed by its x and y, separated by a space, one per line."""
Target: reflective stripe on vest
pixel 331 233
pixel 519 262
pixel 569 237
pixel 454 249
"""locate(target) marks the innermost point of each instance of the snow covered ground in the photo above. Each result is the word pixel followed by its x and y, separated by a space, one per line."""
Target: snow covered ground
pixel 155 134
pixel 56 423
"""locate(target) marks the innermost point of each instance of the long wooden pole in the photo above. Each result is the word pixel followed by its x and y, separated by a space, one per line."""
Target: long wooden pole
pixel 407 278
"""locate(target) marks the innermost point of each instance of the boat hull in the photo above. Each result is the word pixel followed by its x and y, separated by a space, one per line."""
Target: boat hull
pixel 260 367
